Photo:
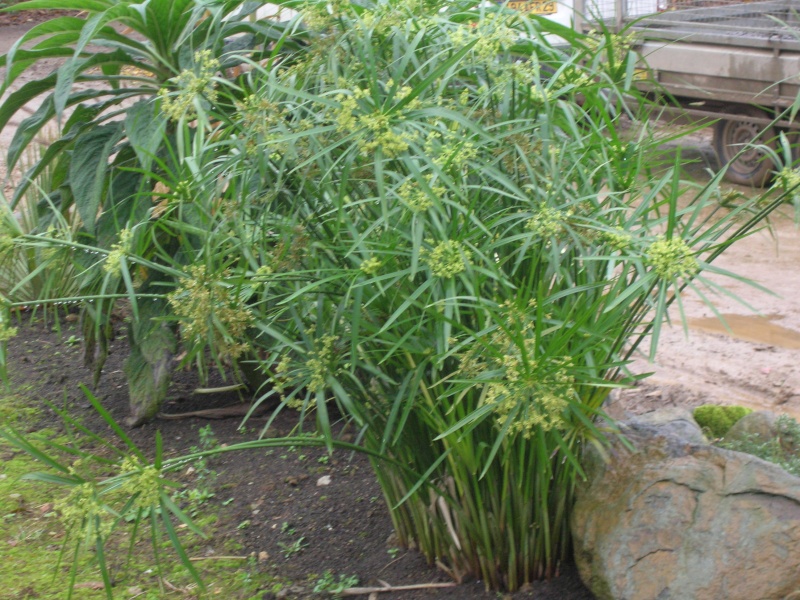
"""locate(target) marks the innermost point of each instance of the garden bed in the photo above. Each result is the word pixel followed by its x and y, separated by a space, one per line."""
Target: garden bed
pixel 264 501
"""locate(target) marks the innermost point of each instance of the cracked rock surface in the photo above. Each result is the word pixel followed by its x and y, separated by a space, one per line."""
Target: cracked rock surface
pixel 682 519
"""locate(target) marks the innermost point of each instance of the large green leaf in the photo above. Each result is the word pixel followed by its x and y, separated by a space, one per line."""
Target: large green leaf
pixel 145 127
pixel 121 201
pixel 148 368
pixel 22 96
pixel 98 22
pixel 31 90
pixel 30 127
pixel 89 166
pixel 82 118
pixel 68 71
pixel 162 17
pixel 60 25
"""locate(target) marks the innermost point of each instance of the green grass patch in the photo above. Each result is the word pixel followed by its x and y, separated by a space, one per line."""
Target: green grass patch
pixel 782 450
pixel 37 563
pixel 31 533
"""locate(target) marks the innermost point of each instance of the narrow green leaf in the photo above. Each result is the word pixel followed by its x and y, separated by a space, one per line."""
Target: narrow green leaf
pixel 112 423
pixel 100 555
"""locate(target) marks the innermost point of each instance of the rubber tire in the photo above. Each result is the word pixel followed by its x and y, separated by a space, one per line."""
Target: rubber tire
pixel 751 167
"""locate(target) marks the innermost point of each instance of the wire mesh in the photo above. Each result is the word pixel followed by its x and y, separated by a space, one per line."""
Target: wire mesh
pixel 756 14
pixel 774 20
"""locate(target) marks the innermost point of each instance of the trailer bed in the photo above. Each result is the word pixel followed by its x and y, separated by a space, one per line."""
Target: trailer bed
pixel 763 25
pixel 741 54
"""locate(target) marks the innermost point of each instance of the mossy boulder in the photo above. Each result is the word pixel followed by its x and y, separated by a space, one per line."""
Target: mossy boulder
pixel 717 420
pixel 761 425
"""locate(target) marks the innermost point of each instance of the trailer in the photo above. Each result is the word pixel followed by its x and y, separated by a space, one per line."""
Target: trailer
pixel 737 65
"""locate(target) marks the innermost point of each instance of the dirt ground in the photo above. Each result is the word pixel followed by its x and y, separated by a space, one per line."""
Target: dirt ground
pixel 346 525
pixel 752 358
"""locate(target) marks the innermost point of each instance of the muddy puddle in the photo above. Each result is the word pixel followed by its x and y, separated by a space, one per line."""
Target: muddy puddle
pixel 750 328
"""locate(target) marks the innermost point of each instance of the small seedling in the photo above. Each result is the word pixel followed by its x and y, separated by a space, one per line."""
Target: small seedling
pixel 289 550
pixel 208 441
pixel 287 528
pixel 334 586
pixel 195 497
pixel 206 477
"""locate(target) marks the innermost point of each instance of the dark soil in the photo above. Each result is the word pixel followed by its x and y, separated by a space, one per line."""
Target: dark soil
pixel 30 17
pixel 275 494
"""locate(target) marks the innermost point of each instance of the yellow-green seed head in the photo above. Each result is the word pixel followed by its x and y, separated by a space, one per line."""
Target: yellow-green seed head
pixel 371 266
pixel 113 261
pixel 447 259
pixel 672 259
pixel 547 222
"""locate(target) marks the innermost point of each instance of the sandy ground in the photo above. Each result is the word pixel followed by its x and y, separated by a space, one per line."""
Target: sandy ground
pixel 755 362
pixel 753 359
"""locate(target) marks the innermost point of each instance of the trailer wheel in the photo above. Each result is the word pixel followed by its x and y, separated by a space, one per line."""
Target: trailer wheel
pixel 746 165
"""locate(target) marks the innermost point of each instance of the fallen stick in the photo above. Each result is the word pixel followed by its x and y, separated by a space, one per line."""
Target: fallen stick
pixel 236 410
pixel 174 588
pixel 358 591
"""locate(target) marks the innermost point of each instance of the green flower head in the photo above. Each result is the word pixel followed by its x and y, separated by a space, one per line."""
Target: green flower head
pixel 371 266
pixel 118 250
pixel 447 259
pixel 788 178
pixel 144 482
pixel 191 84
pixel 672 259
pixel 548 222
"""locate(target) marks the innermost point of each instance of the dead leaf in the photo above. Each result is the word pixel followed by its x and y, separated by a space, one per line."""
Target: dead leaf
pixel 90 585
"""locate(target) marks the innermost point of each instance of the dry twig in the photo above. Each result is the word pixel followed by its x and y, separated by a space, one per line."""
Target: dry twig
pixel 373 591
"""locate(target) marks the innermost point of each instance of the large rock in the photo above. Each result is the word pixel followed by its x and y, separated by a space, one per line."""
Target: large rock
pixel 681 519
pixel 761 424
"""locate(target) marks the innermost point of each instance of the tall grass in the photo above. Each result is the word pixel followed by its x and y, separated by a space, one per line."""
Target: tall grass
pixel 440 225
pixel 435 222
pixel 30 273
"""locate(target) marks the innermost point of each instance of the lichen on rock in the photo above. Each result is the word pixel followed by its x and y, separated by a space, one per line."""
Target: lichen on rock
pixel 678 518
